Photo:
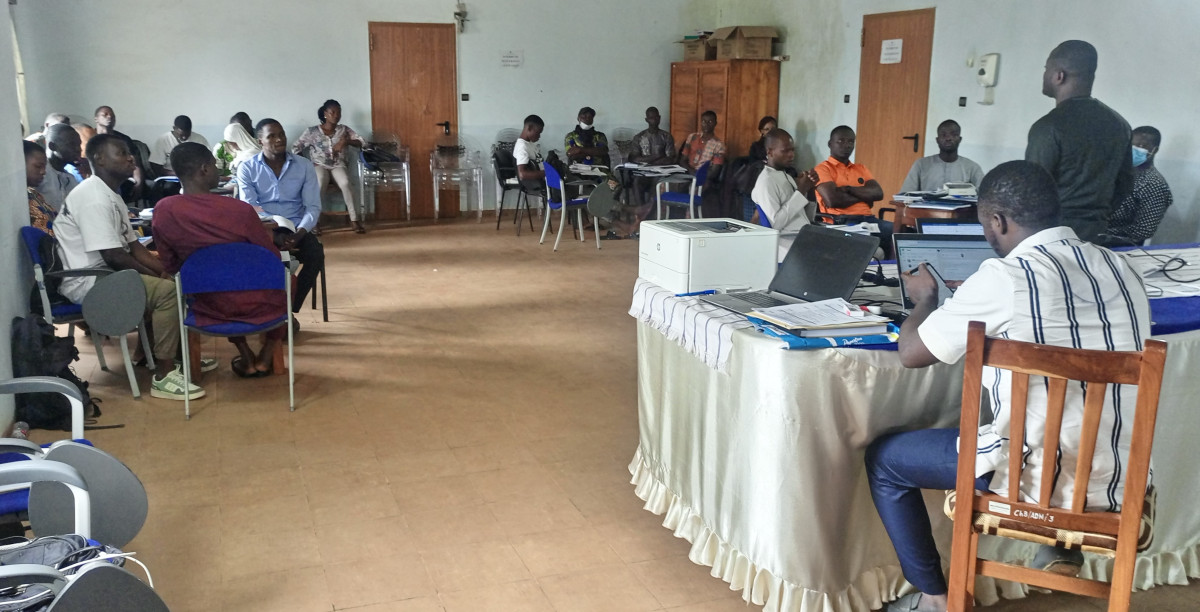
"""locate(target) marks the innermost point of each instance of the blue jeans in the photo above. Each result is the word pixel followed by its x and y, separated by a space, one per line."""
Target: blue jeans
pixel 898 467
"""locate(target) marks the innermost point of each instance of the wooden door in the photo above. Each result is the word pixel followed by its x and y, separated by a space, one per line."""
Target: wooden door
pixel 893 97
pixel 714 91
pixel 414 86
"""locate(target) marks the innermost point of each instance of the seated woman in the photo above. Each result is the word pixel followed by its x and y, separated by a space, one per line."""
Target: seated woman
pixel 41 215
pixel 758 148
pixel 238 146
pixel 325 145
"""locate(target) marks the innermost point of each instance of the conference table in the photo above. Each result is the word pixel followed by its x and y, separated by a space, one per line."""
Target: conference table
pixel 754 455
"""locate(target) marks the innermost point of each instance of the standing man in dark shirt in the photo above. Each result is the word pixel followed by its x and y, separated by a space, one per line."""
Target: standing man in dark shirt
pixel 1136 218
pixel 106 123
pixel 1083 143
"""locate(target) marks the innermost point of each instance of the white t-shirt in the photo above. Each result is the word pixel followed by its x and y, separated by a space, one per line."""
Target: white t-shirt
pixel 526 152
pixel 160 153
pixel 785 207
pixel 1053 289
pixel 93 219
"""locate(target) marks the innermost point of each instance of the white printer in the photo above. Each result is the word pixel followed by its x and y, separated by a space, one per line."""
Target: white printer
pixel 690 255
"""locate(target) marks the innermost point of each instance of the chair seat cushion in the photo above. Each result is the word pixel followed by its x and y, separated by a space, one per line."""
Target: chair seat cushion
pixel 1086 541
pixel 13 502
pixel 234 328
pixel 676 198
pixel 66 310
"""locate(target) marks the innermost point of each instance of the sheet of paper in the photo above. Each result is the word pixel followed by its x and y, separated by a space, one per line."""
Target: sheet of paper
pixel 835 312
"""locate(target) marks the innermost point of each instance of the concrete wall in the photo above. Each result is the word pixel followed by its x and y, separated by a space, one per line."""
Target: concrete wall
pixel 14 263
pixel 1145 49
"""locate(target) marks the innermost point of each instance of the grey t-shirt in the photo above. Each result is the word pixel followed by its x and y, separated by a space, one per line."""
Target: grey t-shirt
pixel 55 186
pixel 931 173
pixel 1086 147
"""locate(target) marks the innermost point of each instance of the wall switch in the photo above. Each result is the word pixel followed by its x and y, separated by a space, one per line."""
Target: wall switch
pixel 846 99
pixel 466 97
pixel 962 101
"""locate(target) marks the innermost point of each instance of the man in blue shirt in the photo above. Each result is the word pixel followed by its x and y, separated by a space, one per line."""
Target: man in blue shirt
pixel 284 184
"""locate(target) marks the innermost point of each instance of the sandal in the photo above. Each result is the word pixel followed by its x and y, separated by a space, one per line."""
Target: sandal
pixel 908 603
pixel 611 235
pixel 237 364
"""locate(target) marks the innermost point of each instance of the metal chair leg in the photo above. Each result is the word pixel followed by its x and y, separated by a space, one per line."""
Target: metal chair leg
pixel 562 223
pixel 545 226
pixel 99 350
pixel 145 339
pixel 324 296
pixel 133 385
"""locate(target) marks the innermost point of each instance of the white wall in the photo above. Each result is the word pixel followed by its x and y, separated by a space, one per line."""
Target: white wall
pixel 14 263
pixel 151 60
pixel 1146 53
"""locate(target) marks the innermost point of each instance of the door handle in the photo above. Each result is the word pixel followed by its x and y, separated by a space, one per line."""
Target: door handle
pixel 445 127
pixel 916 138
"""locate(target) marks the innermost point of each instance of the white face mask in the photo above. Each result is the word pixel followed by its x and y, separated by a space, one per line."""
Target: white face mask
pixel 585 126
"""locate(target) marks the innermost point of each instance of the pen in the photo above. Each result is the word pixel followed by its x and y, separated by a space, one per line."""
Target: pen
pixel 706 292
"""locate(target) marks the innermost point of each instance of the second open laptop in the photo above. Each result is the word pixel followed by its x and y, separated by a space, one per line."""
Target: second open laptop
pixel 952 257
pixel 821 264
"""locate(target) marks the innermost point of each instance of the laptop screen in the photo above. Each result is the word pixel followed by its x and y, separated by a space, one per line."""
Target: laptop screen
pixel 953 257
pixel 949 226
pixel 824 263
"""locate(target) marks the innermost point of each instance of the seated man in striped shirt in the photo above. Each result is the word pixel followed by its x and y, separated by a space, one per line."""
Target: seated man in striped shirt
pixel 1048 287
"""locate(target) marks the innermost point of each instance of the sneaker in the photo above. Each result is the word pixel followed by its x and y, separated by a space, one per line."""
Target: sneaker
pixel 171 387
pixel 207 364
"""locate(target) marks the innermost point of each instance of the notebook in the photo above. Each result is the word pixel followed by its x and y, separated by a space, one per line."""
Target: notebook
pixel 952 257
pixel 822 264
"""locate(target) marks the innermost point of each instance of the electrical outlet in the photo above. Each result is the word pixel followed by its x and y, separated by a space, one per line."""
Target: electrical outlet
pixel 962 101
pixel 467 98
pixel 846 99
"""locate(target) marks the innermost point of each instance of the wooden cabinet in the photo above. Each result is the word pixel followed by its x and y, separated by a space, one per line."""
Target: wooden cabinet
pixel 740 92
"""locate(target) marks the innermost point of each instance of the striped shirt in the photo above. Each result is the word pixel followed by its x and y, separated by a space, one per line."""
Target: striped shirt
pixel 1054 289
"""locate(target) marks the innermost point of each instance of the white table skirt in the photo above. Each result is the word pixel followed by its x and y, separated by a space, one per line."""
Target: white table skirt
pixel 761 467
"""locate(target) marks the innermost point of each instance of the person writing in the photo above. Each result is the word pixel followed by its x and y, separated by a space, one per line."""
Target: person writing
pixel 1020 296
pixel 325 146
pixel 526 151
pixel 783 199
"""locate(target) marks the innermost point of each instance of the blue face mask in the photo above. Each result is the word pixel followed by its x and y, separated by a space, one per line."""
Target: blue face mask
pixel 1140 156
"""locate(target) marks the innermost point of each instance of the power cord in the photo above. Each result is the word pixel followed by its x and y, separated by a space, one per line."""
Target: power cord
pixel 877 278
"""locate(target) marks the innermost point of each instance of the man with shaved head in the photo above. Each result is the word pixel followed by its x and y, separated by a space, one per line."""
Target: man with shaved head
pixel 62 148
pixel 780 198
pixel 1082 143
pixel 51 119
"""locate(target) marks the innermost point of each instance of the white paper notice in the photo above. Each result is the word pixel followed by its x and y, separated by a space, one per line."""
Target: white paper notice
pixel 892 51
pixel 512 59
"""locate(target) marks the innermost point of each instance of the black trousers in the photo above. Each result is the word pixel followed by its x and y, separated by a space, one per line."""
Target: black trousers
pixel 311 255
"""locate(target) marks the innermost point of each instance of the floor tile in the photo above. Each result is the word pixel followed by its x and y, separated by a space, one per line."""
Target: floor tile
pixel 602 589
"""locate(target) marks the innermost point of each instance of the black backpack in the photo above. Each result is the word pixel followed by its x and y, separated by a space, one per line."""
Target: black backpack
pixel 36 351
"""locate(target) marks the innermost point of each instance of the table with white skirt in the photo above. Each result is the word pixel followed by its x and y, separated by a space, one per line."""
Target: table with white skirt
pixel 754 454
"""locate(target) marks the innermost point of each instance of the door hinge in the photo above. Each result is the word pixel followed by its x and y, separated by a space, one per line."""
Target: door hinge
pixel 862 41
pixel 370 42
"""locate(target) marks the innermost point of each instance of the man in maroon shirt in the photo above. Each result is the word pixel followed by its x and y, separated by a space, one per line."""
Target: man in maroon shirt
pixel 196 219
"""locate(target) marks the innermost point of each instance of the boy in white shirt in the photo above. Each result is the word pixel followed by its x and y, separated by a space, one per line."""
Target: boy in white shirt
pixel 527 152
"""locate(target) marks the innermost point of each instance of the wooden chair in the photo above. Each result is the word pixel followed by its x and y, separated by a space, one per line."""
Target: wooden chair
pixel 1114 534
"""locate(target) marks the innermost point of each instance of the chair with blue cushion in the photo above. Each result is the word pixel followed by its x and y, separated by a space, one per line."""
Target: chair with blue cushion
pixel 564 205
pixel 115 310
pixel 223 268
pixel 762 217
pixel 689 199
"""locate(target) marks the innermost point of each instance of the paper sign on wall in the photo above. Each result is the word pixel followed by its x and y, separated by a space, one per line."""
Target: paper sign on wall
pixel 512 59
pixel 892 51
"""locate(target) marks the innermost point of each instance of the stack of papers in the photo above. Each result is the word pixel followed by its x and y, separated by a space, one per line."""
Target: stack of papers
pixel 826 318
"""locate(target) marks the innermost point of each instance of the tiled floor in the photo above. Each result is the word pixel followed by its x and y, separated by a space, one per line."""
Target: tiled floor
pixel 464 425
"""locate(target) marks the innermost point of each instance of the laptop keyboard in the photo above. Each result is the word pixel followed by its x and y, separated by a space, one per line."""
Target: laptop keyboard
pixel 759 299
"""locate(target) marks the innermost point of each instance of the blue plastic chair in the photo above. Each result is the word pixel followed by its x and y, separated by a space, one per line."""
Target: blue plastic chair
pixel 762 217
pixel 238 266
pixel 70 314
pixel 680 200
pixel 555 181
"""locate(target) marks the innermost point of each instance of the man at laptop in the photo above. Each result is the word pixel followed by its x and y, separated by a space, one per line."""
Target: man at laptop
pixel 781 198
pixel 848 190
pixel 1047 286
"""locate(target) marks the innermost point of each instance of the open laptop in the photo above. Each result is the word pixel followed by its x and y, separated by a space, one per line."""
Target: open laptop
pixel 949 226
pixel 953 257
pixel 821 264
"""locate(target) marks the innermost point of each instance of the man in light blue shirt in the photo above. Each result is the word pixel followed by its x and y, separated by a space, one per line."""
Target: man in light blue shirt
pixel 284 184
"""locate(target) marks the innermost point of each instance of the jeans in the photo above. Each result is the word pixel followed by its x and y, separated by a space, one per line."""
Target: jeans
pixel 898 467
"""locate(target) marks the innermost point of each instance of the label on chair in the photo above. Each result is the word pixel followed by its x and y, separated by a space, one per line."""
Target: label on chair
pixel 996 507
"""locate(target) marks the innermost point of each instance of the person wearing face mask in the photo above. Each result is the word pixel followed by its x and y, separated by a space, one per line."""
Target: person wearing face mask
pixel 585 144
pixel 1136 218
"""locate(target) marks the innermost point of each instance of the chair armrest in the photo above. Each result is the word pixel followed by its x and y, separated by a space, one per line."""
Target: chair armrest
pixel 21 472
pixel 887 209
pixel 50 384
pixel 81 272
pixel 22 447
pixel 26 573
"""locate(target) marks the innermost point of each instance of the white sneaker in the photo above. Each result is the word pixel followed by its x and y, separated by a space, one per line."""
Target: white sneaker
pixel 207 364
pixel 171 387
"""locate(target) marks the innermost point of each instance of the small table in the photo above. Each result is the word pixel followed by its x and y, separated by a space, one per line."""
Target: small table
pixel 906 216
pixel 455 172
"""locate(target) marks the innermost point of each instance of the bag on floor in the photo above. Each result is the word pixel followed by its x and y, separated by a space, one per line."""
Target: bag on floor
pixel 36 351
pixel 65 553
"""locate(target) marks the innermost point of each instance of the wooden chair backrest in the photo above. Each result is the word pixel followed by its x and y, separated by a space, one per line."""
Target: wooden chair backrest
pixel 1061 365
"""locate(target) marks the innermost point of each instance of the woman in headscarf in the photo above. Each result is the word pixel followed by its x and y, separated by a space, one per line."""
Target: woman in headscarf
pixel 236 147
